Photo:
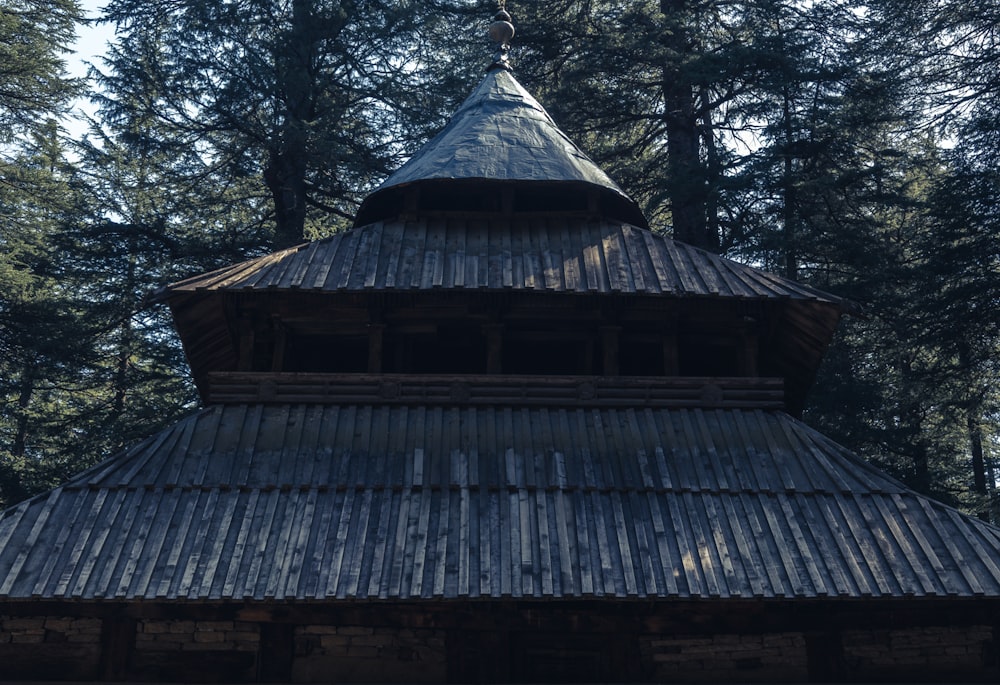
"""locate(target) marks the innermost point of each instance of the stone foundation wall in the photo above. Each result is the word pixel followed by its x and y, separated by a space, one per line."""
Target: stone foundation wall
pixel 197 636
pixel 37 630
pixel 771 657
pixel 49 647
pixel 366 654
pixel 208 651
pixel 276 648
pixel 919 652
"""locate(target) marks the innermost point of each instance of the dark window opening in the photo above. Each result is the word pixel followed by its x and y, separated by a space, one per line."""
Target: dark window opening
pixel 641 358
pixel 468 200
pixel 327 354
pixel 706 356
pixel 541 357
pixel 549 199
pixel 451 350
pixel 262 355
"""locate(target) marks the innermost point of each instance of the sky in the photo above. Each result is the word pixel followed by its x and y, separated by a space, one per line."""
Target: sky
pixel 91 44
pixel 91 41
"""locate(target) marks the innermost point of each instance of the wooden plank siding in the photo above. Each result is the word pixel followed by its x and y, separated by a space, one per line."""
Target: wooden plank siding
pixel 389 502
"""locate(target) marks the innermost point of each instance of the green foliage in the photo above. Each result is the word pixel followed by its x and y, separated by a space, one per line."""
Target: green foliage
pixel 312 99
pixel 34 36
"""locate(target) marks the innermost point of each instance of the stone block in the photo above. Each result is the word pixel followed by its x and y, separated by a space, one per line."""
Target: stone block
pixel 209 636
pixel 327 641
pixel 87 625
pixel 181 626
pixel 354 630
pixel 12 624
pixel 205 646
pixel 371 641
pixel 60 624
pixel 214 625
pixel 161 645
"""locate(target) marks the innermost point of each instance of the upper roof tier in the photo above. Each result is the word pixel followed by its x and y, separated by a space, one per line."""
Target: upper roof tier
pixel 501 136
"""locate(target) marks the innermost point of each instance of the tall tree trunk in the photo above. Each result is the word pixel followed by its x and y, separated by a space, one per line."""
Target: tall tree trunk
pixel 978 462
pixel 126 337
pixel 974 430
pixel 789 190
pixel 285 174
pixel 713 179
pixel 684 166
pixel 19 445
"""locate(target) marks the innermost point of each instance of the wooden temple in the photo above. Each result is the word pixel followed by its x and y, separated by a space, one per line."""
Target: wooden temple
pixel 500 431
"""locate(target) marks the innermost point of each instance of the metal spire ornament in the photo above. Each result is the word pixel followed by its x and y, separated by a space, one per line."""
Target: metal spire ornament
pixel 501 31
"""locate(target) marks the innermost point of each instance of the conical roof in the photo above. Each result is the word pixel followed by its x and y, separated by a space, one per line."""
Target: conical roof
pixel 501 134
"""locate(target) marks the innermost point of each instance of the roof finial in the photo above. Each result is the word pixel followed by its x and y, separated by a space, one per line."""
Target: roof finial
pixel 501 31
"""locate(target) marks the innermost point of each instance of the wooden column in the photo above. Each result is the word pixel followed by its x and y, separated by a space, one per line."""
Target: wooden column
pixel 280 343
pixel 610 347
pixel 825 657
pixel 117 645
pixel 748 354
pixel 494 347
pixel 671 366
pixel 247 339
pixel 277 652
pixel 376 335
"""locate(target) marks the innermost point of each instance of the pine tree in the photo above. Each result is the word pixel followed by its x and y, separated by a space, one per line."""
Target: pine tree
pixel 307 96
pixel 34 38
pixel 38 326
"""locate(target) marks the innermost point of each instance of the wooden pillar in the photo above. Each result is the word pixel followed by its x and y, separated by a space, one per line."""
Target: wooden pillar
pixel 609 345
pixel 748 354
pixel 376 333
pixel 277 652
pixel 117 645
pixel 280 344
pixel 247 340
pixel 494 347
pixel 825 657
pixel 671 366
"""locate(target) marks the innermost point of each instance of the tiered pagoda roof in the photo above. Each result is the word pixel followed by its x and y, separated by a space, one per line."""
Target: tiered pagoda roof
pixel 305 481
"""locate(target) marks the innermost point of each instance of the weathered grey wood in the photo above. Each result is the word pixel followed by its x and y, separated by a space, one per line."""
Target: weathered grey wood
pixel 494 502
pixel 420 539
pixel 25 547
pixel 804 548
pixel 850 507
pixel 912 557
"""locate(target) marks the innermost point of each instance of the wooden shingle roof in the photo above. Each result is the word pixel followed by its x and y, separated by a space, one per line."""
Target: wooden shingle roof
pixel 319 502
pixel 533 255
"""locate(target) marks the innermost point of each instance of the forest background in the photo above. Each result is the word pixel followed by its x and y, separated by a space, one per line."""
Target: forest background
pixel 847 144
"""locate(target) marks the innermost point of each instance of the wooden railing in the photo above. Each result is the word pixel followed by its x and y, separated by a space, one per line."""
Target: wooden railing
pixel 494 390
